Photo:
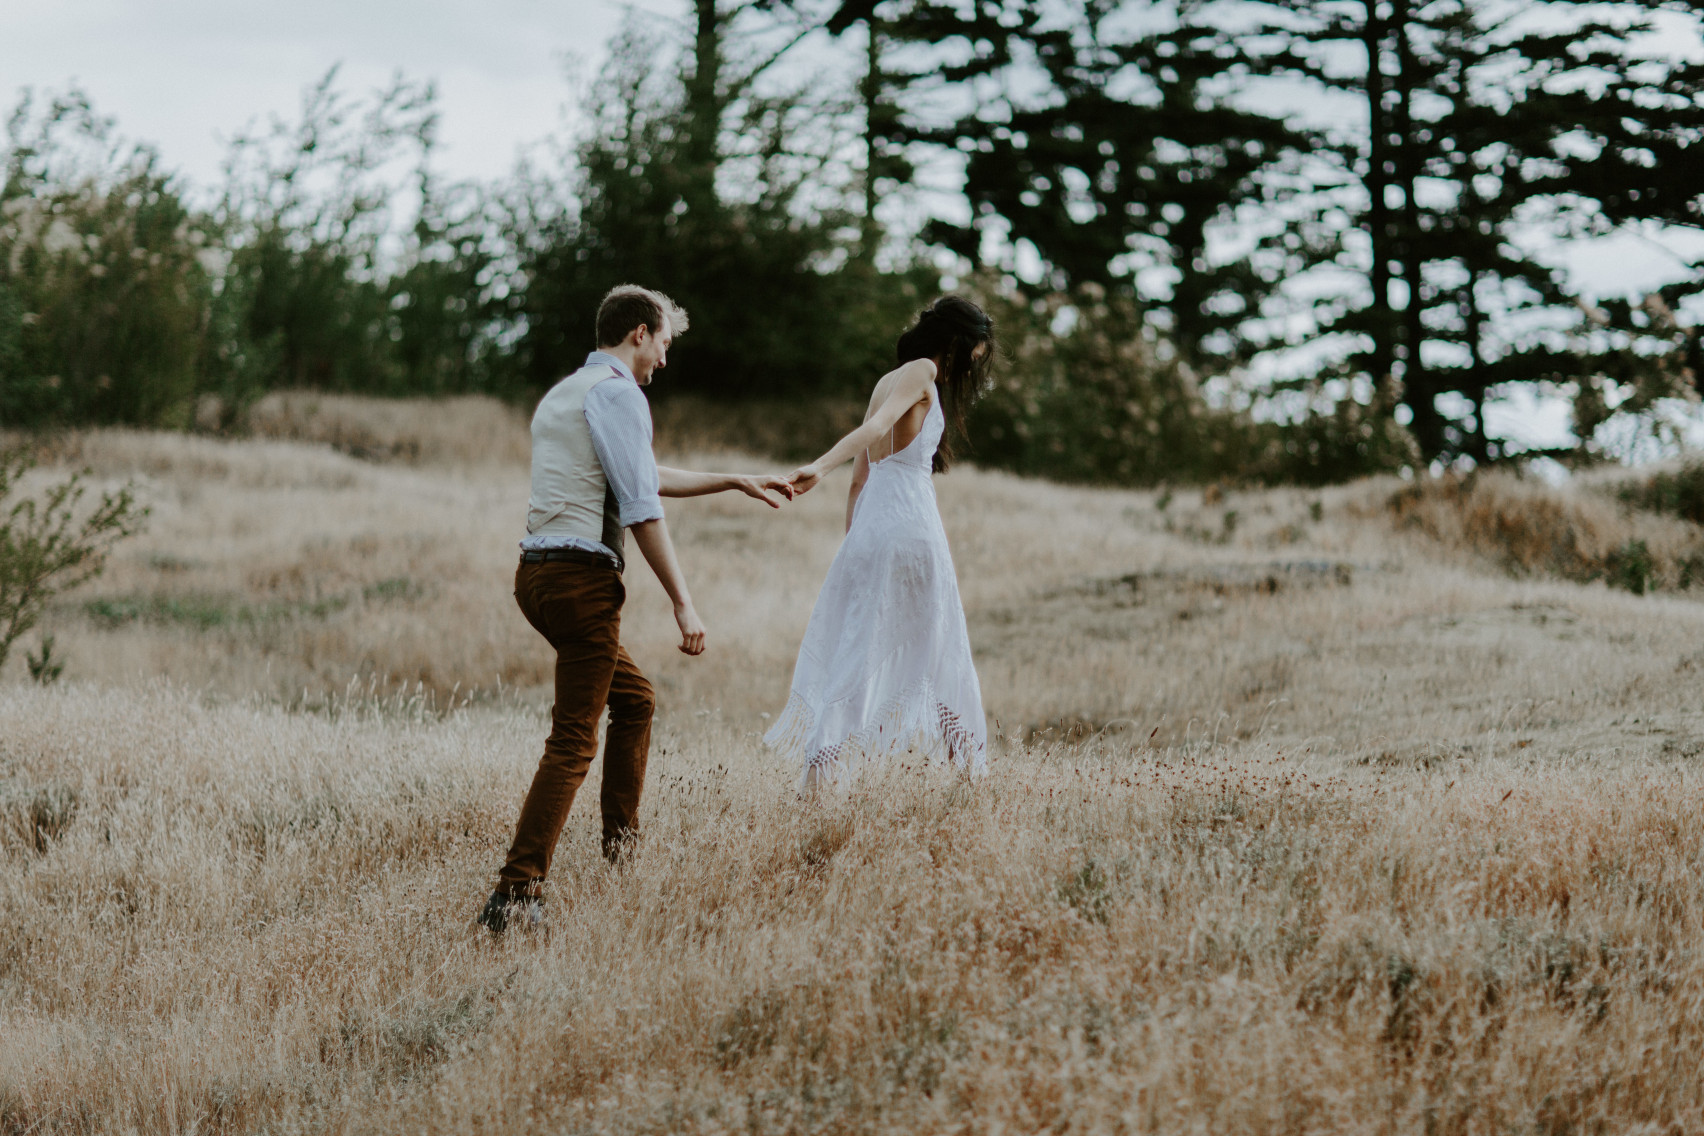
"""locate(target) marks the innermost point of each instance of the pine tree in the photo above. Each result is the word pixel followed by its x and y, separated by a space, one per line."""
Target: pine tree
pixel 1487 127
pixel 911 48
pixel 650 205
pixel 1153 162
pixel 1133 172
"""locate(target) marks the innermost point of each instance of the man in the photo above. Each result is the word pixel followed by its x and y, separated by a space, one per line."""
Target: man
pixel 593 477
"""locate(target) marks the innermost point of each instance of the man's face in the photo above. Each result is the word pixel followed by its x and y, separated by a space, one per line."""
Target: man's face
pixel 651 353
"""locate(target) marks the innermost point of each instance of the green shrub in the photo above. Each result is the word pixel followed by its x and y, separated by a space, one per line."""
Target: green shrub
pixel 1352 439
pixel 1098 401
pixel 1680 492
pixel 45 667
pixel 1630 566
pixel 1084 390
pixel 50 544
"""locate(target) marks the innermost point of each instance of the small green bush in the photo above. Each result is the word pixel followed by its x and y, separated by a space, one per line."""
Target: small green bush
pixel 1085 390
pixel 1680 493
pixel 1631 567
pixel 50 544
pixel 45 667
pixel 1098 401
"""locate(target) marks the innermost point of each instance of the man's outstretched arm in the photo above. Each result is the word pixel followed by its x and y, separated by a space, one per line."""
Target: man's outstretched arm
pixel 687 483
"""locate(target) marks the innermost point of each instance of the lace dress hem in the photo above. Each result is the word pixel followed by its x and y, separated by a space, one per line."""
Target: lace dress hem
pixel 916 721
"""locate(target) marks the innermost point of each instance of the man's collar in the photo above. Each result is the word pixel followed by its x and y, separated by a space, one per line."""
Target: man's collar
pixel 611 360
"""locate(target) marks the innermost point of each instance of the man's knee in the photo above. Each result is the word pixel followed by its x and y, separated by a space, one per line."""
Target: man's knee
pixel 636 700
pixel 569 753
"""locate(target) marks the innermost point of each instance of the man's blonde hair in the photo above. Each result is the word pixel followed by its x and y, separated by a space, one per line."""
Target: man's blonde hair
pixel 627 306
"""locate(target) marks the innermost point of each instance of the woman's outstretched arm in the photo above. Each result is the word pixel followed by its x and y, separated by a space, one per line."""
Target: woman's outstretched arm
pixel 911 387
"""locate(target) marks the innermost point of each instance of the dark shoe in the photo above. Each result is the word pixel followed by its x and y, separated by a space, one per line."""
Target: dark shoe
pixel 618 848
pixel 501 909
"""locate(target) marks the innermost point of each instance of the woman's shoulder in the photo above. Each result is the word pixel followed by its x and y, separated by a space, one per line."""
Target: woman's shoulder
pixel 916 378
pixel 918 370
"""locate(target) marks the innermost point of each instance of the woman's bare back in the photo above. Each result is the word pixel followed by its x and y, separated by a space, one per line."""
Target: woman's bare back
pixel 910 423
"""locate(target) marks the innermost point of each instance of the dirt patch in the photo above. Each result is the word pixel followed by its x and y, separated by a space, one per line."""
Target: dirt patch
pixel 1266 579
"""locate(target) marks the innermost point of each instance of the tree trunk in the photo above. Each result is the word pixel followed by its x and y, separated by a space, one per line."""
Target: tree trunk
pixel 1382 327
pixel 870 92
pixel 1428 424
pixel 1479 444
pixel 703 109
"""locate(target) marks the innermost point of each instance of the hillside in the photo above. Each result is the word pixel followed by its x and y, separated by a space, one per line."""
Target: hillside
pixel 1303 816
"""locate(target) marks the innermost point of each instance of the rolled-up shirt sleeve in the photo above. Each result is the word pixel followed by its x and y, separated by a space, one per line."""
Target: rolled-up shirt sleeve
pixel 620 422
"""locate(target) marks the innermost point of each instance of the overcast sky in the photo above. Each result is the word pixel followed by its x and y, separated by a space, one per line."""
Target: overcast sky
pixel 185 74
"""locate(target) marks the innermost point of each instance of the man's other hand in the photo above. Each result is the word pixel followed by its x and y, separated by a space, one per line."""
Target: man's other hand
pixel 691 629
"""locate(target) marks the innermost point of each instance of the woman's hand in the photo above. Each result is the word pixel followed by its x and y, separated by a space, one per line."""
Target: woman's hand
pixel 804 478
pixel 759 486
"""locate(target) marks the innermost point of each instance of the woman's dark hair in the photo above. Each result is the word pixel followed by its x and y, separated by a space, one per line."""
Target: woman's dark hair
pixel 948 331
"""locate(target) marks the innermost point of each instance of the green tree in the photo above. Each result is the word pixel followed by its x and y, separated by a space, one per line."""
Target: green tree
pixel 1161 158
pixel 445 318
pixel 352 266
pixel 305 212
pixel 103 289
pixel 1487 129
pixel 914 49
pixel 692 181
pixel 1120 166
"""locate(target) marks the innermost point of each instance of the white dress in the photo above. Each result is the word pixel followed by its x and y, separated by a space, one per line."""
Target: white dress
pixel 885 666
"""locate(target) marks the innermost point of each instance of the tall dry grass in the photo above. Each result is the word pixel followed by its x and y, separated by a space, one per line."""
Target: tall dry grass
pixel 1299 821
pixel 260 920
pixel 460 430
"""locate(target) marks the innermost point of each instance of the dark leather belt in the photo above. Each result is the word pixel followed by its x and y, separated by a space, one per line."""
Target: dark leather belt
pixel 567 556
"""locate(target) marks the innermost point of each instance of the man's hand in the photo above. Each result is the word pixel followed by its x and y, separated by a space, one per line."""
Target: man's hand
pixel 652 537
pixel 804 479
pixel 691 629
pixel 760 487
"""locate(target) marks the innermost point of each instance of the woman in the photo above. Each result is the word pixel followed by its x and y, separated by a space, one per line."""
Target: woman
pixel 885 665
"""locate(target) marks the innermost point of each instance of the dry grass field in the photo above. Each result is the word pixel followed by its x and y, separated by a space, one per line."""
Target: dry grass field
pixel 1305 815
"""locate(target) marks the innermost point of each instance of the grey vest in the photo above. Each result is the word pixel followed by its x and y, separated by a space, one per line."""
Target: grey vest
pixel 571 496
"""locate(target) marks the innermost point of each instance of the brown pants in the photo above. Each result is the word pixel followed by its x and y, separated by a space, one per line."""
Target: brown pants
pixel 577 608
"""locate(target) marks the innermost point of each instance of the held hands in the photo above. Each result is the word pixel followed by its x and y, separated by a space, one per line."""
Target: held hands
pixel 691 629
pixel 804 479
pixel 760 486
